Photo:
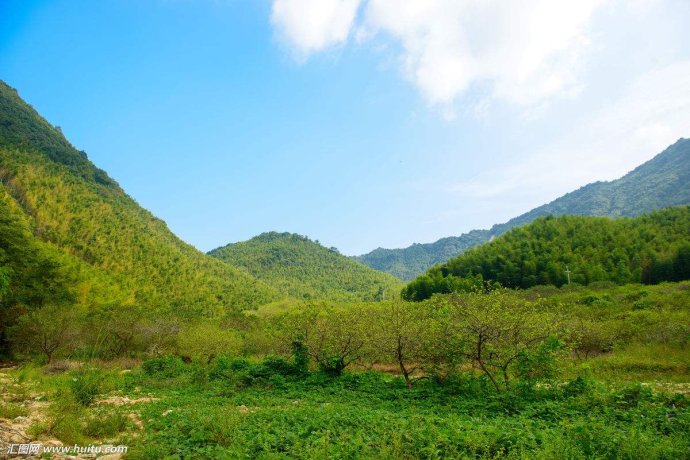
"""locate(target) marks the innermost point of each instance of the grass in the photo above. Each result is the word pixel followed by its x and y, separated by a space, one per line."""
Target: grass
pixel 248 409
pixel 11 410
pixel 631 400
pixel 373 415
pixel 645 362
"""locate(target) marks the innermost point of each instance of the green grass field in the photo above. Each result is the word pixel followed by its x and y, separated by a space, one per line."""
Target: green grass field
pixel 240 409
pixel 620 390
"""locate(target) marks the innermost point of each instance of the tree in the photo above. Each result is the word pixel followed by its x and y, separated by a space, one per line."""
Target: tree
pixel 400 332
pixel 205 340
pixel 590 338
pixel 118 329
pixel 501 332
pixel 651 248
pixel 334 336
pixel 681 263
pixel 46 330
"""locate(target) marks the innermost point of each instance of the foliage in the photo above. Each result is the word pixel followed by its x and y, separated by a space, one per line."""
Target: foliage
pixel 504 335
pixel 404 334
pixel 373 415
pixel 47 330
pixel 163 366
pixel 334 336
pixel 650 249
pixel 659 183
pixel 408 263
pixel 204 341
pixel 556 404
pixel 64 218
pixel 306 270
pixel 86 385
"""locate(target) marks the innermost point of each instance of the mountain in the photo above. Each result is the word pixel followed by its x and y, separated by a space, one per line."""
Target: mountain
pixel 302 268
pixel 647 249
pixel 407 263
pixel 64 216
pixel 659 183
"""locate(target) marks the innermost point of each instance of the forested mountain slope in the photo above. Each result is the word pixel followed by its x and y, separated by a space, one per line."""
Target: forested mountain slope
pixel 304 269
pixel 659 183
pixel 406 263
pixel 647 249
pixel 104 246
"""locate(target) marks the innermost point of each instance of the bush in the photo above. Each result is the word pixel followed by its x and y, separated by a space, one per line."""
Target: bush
pixel 272 370
pixel 270 367
pixel 280 366
pixel 163 366
pixel 643 304
pixel 576 387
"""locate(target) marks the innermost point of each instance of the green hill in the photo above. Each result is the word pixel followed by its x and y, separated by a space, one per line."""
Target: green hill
pixel 63 215
pixel 407 263
pixel 648 249
pixel 659 183
pixel 304 269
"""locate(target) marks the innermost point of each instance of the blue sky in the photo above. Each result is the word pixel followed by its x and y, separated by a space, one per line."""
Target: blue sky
pixel 358 123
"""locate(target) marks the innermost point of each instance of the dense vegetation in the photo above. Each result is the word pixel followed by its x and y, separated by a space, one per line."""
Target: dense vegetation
pixel 408 263
pixel 306 270
pixel 541 373
pixel 662 182
pixel 23 129
pixel 70 237
pixel 553 250
pixel 122 333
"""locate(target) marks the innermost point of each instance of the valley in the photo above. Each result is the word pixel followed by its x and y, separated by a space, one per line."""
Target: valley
pixel 565 336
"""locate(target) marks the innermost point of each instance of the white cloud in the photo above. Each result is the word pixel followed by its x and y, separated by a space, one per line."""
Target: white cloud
pixel 311 26
pixel 650 113
pixel 522 51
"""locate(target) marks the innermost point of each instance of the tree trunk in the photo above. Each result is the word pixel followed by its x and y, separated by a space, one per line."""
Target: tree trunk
pixel 484 368
pixel 403 369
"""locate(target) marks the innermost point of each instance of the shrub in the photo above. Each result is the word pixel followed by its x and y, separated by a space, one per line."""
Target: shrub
pixel 300 355
pixel 163 366
pixel 643 304
pixel 279 365
pixel 576 387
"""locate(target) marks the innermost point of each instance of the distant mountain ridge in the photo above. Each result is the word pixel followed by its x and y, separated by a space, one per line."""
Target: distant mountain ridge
pixel 661 182
pixel 302 268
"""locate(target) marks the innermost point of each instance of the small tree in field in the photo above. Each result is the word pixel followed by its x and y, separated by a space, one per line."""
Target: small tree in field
pixel 504 336
pixel 400 331
pixel 334 337
pixel 204 341
pixel 46 330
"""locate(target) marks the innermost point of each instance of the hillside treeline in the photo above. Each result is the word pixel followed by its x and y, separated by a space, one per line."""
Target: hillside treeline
pixel 648 249
pixel 504 335
pixel 71 238
pixel 297 266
